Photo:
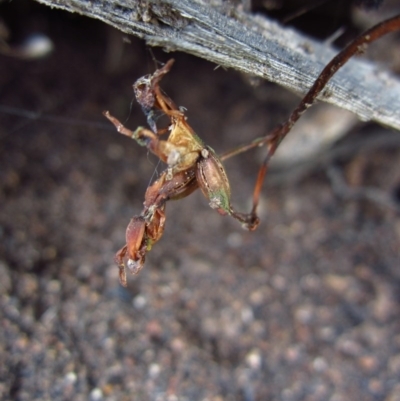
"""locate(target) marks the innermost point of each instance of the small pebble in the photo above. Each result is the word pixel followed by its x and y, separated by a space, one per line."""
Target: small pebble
pixel 70 378
pixel 320 364
pixel 96 394
pixel 254 359
pixel 154 370
pixel 139 302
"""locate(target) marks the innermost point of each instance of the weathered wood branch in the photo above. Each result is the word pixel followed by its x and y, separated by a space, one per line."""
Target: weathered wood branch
pixel 251 44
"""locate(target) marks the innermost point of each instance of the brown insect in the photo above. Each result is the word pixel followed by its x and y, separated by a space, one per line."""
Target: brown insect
pixel 191 164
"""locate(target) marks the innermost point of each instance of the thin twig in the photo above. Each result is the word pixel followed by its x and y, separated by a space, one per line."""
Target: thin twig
pixel 375 195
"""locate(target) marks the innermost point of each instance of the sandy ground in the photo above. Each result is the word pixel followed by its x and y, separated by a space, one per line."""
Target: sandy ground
pixel 305 308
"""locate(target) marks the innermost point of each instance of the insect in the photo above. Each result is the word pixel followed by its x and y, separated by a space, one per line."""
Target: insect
pixel 191 164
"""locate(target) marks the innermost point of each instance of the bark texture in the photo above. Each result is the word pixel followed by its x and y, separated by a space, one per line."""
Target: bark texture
pixel 232 38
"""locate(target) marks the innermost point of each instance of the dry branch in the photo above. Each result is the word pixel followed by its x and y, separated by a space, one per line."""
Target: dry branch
pixel 251 44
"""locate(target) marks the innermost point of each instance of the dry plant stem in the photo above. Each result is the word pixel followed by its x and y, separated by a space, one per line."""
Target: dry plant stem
pixel 273 139
pixel 375 195
pixel 222 33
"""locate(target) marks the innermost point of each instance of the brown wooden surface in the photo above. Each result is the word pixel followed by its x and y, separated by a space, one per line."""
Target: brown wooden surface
pixel 252 44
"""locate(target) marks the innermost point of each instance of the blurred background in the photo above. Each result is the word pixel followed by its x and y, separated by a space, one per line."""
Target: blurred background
pixel 305 308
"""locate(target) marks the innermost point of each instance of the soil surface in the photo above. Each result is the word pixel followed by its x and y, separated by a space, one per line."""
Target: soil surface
pixel 305 308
